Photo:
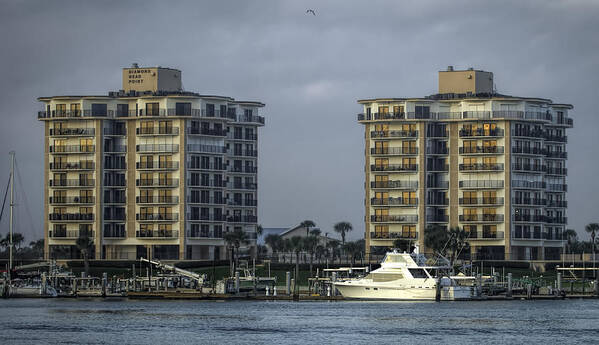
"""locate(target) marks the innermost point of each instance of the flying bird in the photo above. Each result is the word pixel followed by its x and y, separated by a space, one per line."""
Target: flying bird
pixel 311 11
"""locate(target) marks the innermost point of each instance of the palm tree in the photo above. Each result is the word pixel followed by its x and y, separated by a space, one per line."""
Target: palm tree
pixel 435 238
pixel 307 224
pixel 592 229
pixel 343 228
pixel 310 244
pixel 234 240
pixel 85 246
pixel 297 243
pixel 274 241
pixel 571 237
pixel 457 242
pixel 286 247
pixel 333 246
pixel 37 247
pixel 320 252
pixel 315 232
pixel 353 249
pixel 259 230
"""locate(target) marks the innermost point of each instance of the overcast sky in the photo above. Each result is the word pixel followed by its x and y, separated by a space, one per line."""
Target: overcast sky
pixel 309 70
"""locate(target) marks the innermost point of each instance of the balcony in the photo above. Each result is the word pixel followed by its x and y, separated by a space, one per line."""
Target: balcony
pixel 207 131
pixel 529 201
pixel 81 165
pixel 115 233
pixel 207 201
pixel 528 150
pixel 56 149
pixel 73 113
pixel 557 203
pixel 206 148
pixel 481 132
pixel 114 200
pixel 437 218
pixel 71 200
pixel 204 234
pixel 249 186
pixel 437 167
pixel 157 234
pixel 533 218
pixel 242 219
pixel 481 218
pixel 556 171
pixel 481 201
pixel 70 234
pixel 437 184
pixel 245 202
pixel 244 153
pixel 529 168
pixel 157 199
pixel 437 201
pixel 157 217
pixel 115 131
pixel 394 134
pixel 556 154
pixel 71 217
pixel 469 150
pixel 490 235
pixel 169 165
pixel 394 219
pixel 157 131
pixel 394 184
pixel 81 132
pixel 556 220
pixel 394 151
pixel 395 167
pixel 522 184
pixel 111 183
pixel 408 202
pixel 168 182
pixel 482 167
pixel 211 166
pixel 250 137
pixel 480 184
pixel 72 183
pixel 115 148
pixel 556 138
pixel 150 148
pixel 209 183
pixel 249 119
pixel 243 170
pixel 413 235
pixel 437 151
pixel 207 217
pixel 115 166
pixel 528 133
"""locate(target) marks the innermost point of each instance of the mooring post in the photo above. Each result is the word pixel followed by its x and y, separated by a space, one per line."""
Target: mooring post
pixel 237 282
pixel 43 285
pixel 559 282
pixel 529 291
pixel 293 285
pixel 104 283
pixel 133 271
pixel 509 285
pixel 479 285
pixel 74 287
pixel 596 285
pixel 334 279
pixel 288 283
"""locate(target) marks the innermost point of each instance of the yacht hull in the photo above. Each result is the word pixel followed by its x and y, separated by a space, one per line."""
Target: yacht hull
pixel 448 293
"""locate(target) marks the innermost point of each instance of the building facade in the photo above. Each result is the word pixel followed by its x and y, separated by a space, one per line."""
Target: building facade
pixel 149 171
pixel 492 164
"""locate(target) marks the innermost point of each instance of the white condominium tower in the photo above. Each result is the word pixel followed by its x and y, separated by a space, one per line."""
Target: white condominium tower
pixel 492 164
pixel 149 171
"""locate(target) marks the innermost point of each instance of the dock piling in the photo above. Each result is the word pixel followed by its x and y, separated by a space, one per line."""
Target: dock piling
pixel 288 283
pixel 509 285
pixel 236 282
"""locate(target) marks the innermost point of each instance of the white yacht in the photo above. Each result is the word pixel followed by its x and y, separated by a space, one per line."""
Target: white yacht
pixel 404 276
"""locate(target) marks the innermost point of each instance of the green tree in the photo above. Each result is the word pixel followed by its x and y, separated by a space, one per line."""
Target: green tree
pixel 274 241
pixel 259 230
pixel 571 238
pixel 457 241
pixel 343 228
pixel 333 247
pixel 310 244
pixel 37 248
pixel 315 232
pixel 307 224
pixel 592 229
pixel 85 246
pixel 234 240
pixel 353 250
pixel 435 238
pixel 297 245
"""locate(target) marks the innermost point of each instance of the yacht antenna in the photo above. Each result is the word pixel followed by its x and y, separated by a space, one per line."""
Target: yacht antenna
pixel 12 205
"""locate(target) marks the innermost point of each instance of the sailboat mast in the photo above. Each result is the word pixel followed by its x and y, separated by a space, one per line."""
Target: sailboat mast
pixel 12 204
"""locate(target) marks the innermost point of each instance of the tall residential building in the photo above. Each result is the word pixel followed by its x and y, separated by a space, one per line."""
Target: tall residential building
pixel 150 170
pixel 492 164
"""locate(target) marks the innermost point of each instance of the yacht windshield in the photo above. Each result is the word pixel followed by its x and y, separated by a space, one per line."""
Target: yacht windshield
pixel 418 272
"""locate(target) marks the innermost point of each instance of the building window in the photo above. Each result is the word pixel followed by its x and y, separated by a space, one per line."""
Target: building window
pixel 99 109
pixel 183 109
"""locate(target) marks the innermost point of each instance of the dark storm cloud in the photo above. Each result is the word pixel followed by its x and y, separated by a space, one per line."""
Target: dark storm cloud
pixel 309 70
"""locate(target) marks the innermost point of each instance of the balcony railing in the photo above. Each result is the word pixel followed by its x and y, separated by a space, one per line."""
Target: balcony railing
pixel 206 148
pixel 207 217
pixel 529 218
pixel 528 150
pixel 72 148
pixel 81 165
pixel 71 234
pixel 394 134
pixel 167 217
pixel 115 131
pixel 437 218
pixel 528 133
pixel 553 187
pixel 114 200
pixel 157 131
pixel 394 184
pixel 209 183
pixel 481 201
pixel 529 167
pixel 244 202
pixel 556 154
pixel 71 217
pixel 556 138
pixel 557 203
pixel 437 184
pixel 395 167
pixel 557 171
pixel 209 201
pixel 72 131
pixel 115 233
pixel 72 183
pixel 157 148
pixel 242 137
pixel 72 200
pixel 207 131
pixel 481 132
pixel 244 153
pixel 475 184
pixel 436 166
pixel 482 167
pixel 522 184
pixel 529 201
pixel 246 169
pixel 204 234
pixel 211 166
pixel 395 219
pixel 250 119
pixel 115 148
pixel 164 182
pixel 410 202
pixel 242 219
pixel 481 217
pixel 394 151
pixel 466 150
pixel 157 165
pixel 157 234
pixel 250 186
pixel 157 199
pixel 437 151
pixel 73 113
pixel 411 235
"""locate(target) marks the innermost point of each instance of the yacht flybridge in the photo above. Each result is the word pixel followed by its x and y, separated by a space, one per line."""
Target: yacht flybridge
pixel 404 276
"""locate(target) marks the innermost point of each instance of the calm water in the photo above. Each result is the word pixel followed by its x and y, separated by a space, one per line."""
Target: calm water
pixel 94 321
